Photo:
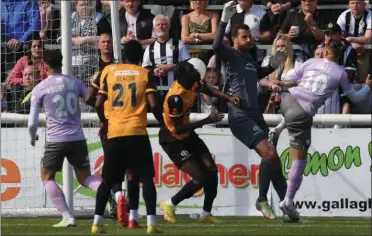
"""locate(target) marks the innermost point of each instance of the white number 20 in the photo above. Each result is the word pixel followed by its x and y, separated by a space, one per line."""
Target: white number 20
pixel 317 84
pixel 66 105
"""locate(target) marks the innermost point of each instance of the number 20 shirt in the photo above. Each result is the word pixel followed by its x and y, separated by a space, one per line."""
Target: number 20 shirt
pixel 59 96
pixel 317 79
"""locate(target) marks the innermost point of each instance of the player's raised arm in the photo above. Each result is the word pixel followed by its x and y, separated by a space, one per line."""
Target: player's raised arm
pixel 220 49
pixel 356 96
pixel 151 94
pixel 213 92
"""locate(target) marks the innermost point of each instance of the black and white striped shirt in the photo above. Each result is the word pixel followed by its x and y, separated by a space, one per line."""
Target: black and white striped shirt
pixel 355 27
pixel 163 54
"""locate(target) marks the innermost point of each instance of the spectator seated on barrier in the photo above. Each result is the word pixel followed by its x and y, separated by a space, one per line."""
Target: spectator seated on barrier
pixel 252 15
pixel 304 27
pixel 135 23
pixel 31 77
pixel 35 48
pixel 199 27
pixel 162 56
pixel 277 12
pixel 270 101
pixel 207 103
pixel 18 20
pixel 356 23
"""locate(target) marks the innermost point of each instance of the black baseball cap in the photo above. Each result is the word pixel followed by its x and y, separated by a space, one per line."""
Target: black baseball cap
pixel 333 28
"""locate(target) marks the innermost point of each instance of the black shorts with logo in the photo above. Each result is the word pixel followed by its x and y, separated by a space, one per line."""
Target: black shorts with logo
pixel 181 151
pixel 76 153
pixel 128 152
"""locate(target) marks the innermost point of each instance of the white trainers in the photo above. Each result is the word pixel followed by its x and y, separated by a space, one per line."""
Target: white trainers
pixel 290 211
pixel 65 223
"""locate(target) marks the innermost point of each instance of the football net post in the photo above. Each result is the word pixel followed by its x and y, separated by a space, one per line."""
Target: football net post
pixel 67 69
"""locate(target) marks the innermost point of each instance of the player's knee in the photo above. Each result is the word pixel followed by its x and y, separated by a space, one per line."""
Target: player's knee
pixel 47 175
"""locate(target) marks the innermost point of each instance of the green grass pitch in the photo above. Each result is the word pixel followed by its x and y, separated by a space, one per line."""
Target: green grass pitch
pixel 187 226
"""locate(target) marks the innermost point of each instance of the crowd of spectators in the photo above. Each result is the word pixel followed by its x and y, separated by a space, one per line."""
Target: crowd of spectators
pixel 299 27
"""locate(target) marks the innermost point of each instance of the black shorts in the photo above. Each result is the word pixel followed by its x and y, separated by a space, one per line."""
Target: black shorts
pixel 298 123
pixel 129 152
pixel 76 153
pixel 180 151
pixel 249 127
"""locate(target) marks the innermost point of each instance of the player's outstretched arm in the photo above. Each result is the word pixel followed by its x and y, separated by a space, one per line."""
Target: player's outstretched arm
pixel 356 96
pixel 181 128
pixel 176 113
pixel 213 92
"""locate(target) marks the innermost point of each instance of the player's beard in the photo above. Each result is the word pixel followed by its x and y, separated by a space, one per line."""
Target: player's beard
pixel 244 47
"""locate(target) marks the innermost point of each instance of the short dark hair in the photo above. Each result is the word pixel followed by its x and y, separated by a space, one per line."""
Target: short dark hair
pixel 53 58
pixel 132 51
pixel 335 46
pixel 235 29
pixel 185 73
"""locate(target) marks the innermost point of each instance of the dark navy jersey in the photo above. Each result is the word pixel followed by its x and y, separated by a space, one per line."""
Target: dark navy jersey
pixel 242 74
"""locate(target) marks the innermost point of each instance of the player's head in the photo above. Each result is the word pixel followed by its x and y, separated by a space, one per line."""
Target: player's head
pixel 53 60
pixel 242 38
pixel 332 50
pixel 189 72
pixel 132 52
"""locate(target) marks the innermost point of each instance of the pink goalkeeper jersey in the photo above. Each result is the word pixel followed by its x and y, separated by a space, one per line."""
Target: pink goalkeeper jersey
pixel 317 78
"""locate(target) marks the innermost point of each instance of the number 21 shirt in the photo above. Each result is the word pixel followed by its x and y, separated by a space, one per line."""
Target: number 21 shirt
pixel 126 87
